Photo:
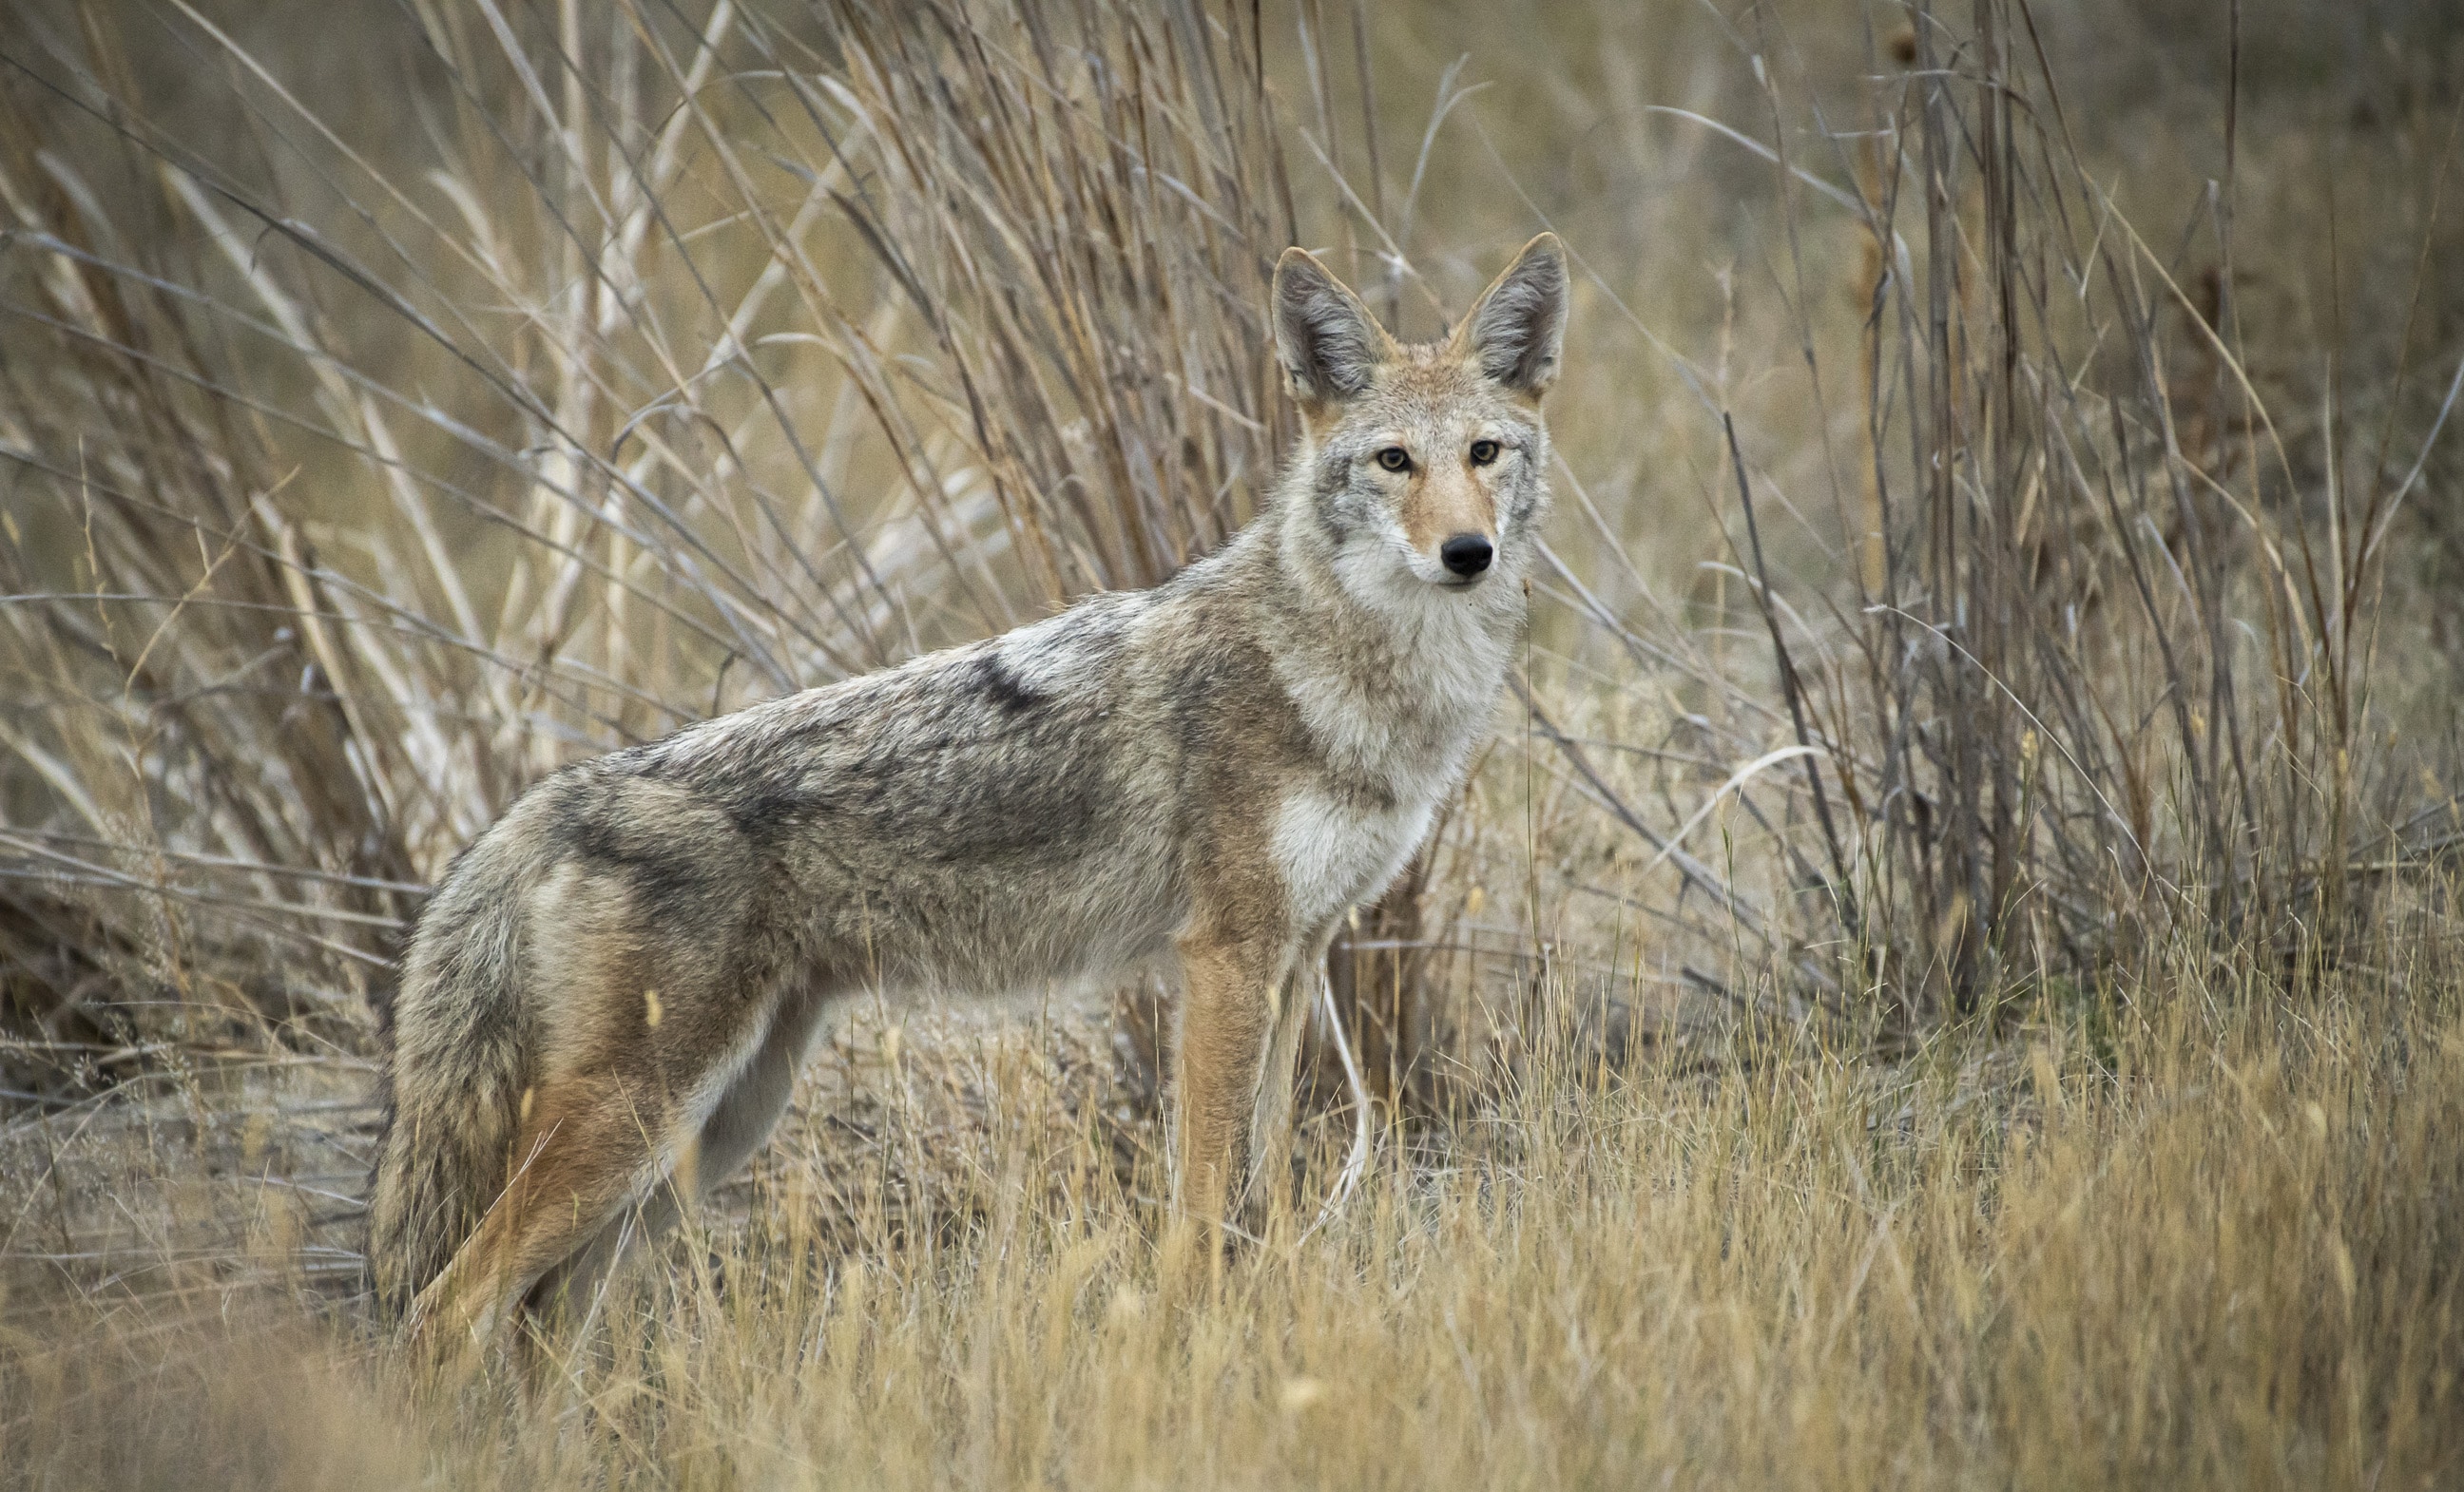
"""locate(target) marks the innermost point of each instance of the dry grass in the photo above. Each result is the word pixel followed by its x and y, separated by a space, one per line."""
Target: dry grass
pixel 2042 1066
pixel 2182 1239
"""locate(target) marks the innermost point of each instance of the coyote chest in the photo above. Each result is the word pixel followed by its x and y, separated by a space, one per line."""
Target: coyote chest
pixel 1331 853
pixel 1391 750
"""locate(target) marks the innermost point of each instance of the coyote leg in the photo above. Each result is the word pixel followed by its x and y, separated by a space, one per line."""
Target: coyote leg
pixel 572 1284
pixel 1227 1016
pixel 736 1127
pixel 583 1157
pixel 1270 1112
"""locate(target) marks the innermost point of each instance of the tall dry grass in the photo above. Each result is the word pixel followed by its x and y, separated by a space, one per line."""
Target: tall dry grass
pixel 685 376
pixel 1944 974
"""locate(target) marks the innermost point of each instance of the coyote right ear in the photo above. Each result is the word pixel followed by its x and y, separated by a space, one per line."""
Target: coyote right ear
pixel 1325 340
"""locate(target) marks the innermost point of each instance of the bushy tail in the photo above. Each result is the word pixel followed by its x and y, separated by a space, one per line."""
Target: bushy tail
pixel 453 1077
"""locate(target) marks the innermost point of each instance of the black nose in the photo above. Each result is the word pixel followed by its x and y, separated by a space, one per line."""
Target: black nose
pixel 1465 554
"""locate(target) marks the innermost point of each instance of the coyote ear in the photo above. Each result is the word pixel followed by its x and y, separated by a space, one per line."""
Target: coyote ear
pixel 1325 340
pixel 1518 325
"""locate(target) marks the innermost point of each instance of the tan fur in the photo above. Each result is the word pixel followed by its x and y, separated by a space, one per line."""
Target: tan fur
pixel 603 1007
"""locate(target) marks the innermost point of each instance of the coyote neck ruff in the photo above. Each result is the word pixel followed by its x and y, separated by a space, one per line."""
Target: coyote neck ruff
pixel 603 1007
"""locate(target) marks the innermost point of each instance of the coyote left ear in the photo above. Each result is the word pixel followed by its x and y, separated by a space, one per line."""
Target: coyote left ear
pixel 1327 342
pixel 1518 325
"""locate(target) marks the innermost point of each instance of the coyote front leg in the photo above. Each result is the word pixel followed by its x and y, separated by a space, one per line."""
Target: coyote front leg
pixel 1227 1014
pixel 1270 1115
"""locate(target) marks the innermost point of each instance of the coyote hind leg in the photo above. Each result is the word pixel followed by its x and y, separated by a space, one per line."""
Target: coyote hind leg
pixel 736 1127
pixel 589 1150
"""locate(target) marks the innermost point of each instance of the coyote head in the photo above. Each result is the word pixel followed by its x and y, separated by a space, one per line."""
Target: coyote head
pixel 1424 466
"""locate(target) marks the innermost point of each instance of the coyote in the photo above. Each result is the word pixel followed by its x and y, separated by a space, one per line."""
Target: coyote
pixel 604 1005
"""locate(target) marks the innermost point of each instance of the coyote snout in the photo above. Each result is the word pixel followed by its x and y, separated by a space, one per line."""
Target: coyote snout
pixel 603 1007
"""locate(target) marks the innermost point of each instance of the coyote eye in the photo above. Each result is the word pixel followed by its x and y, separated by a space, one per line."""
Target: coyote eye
pixel 1394 458
pixel 1482 452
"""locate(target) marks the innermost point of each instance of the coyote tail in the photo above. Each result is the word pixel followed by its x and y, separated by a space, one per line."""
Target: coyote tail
pixel 455 1043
